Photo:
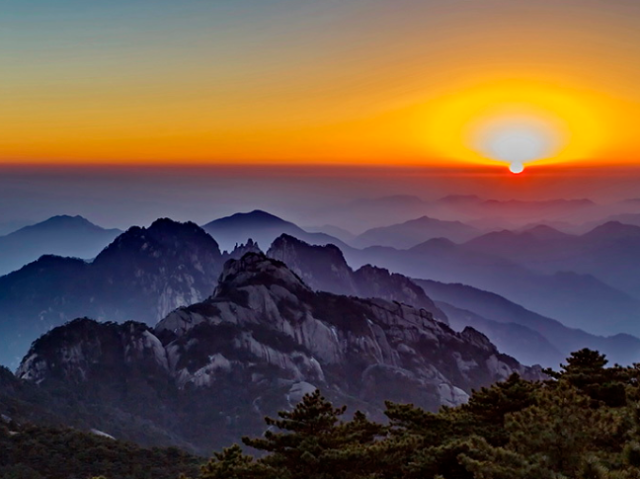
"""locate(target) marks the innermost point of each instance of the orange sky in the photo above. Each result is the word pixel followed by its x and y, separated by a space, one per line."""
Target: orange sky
pixel 363 82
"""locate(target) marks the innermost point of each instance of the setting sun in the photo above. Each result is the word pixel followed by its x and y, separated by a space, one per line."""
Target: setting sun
pixel 516 122
pixel 516 168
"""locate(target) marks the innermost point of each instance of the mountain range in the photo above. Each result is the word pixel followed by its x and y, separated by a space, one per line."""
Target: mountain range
pixel 209 372
pixel 521 333
pixel 147 272
pixel 579 300
pixel 194 346
pixel 608 252
pixel 143 274
pixel 413 232
pixel 527 335
pixel 324 268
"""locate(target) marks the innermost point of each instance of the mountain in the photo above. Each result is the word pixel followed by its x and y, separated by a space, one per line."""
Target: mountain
pixel 335 231
pixel 580 300
pixel 608 252
pixel 413 232
pixel 9 226
pixel 143 274
pixel 324 268
pixel 514 329
pixel 365 213
pixel 545 233
pixel 209 372
pixel 625 218
pixel 612 231
pixel 60 235
pixel 479 305
pixel 261 227
pixel 523 343
pixel 511 214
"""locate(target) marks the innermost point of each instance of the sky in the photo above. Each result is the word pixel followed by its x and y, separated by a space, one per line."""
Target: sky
pixel 128 110
pixel 402 83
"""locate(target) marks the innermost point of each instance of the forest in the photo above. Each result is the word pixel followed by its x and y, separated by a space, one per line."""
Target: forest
pixel 582 422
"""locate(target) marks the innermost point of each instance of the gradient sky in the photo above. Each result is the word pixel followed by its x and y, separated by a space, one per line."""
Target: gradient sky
pixel 402 82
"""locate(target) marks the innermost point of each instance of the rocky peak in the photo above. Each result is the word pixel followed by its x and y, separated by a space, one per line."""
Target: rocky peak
pixel 257 269
pixel 144 274
pixel 266 312
pixel 70 353
pixel 375 282
pixel 324 268
pixel 241 249
pixel 261 339
pixel 478 339
pixel 65 221
pixel 164 236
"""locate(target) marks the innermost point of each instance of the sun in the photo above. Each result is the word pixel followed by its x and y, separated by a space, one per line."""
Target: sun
pixel 515 121
pixel 516 143
pixel 516 168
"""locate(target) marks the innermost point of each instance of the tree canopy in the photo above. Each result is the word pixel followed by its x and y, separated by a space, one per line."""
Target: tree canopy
pixel 583 422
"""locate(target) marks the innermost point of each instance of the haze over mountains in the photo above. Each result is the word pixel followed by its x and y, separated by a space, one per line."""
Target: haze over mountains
pixel 413 232
pixel 147 272
pixel 581 300
pixel 481 213
pixel 210 328
pixel 60 235
pixel 528 336
pixel 143 274
pixel 608 252
pixel 209 372
pixel 261 227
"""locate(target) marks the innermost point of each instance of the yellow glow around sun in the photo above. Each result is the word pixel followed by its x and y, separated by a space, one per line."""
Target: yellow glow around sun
pixel 515 123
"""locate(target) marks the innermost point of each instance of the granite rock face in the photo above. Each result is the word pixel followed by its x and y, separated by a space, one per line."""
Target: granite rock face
pixel 142 275
pixel 208 372
pixel 324 268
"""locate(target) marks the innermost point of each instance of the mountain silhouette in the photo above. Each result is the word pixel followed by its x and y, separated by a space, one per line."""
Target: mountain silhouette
pixel 60 235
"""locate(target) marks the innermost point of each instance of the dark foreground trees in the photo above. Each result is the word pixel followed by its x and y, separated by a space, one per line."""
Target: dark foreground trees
pixel 582 423
pixel 36 452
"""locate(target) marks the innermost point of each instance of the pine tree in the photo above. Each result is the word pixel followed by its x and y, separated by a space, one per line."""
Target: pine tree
pixel 313 443
pixel 232 463
pixel 488 407
pixel 586 371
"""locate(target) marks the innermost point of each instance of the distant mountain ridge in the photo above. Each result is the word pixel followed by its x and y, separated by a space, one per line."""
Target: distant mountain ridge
pixel 608 252
pixel 413 232
pixel 147 272
pixel 261 227
pixel 620 348
pixel 528 336
pixel 61 235
pixel 580 299
pixel 324 269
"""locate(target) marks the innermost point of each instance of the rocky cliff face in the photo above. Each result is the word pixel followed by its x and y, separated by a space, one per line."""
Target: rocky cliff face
pixel 324 268
pixel 257 345
pixel 169 264
pixel 143 275
pixel 243 248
